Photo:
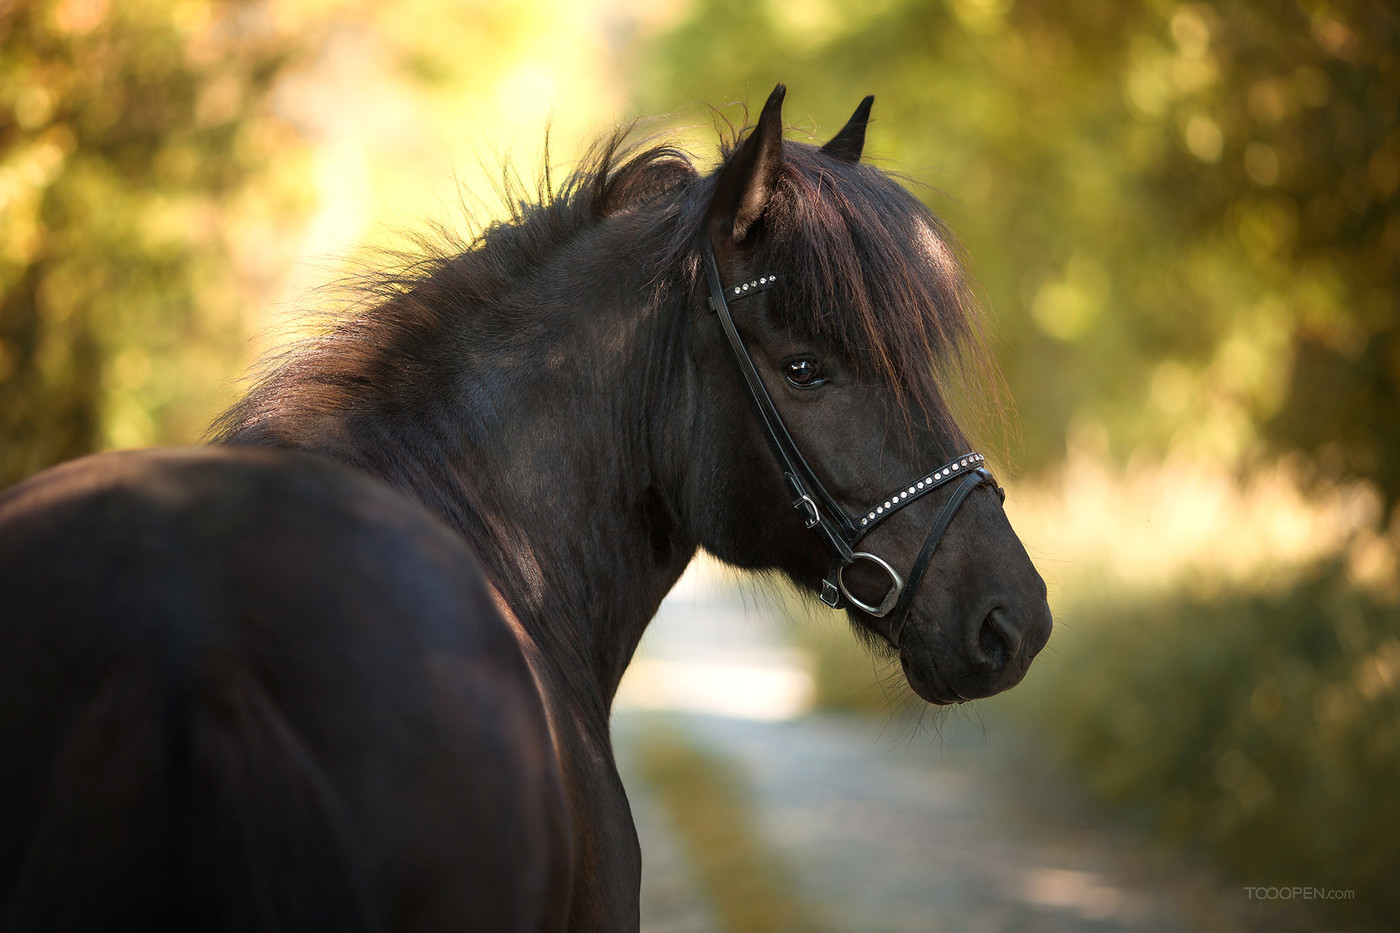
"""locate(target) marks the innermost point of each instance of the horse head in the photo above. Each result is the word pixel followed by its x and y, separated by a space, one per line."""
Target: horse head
pixel 835 314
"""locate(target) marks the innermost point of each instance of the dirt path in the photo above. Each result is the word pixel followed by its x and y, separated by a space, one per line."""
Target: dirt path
pixel 763 817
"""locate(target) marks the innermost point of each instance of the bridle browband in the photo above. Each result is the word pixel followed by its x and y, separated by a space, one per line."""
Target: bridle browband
pixel 821 513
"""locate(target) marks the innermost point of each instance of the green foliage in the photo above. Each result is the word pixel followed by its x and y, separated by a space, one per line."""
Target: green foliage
pixel 130 134
pixel 1261 726
pixel 1184 215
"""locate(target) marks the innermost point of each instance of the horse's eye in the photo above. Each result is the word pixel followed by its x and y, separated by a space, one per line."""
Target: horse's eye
pixel 804 372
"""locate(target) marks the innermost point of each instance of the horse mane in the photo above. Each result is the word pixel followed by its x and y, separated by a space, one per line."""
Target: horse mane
pixel 875 271
pixel 868 267
pixel 384 315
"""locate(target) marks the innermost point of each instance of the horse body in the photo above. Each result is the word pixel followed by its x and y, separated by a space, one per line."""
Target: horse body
pixel 244 689
pixel 534 436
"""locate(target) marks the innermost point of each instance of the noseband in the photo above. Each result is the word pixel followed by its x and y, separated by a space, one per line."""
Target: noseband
pixel 821 513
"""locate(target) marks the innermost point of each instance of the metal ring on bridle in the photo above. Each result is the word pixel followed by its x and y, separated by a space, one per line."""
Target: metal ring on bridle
pixel 891 596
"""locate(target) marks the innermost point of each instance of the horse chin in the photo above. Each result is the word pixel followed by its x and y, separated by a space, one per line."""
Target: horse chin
pixel 922 674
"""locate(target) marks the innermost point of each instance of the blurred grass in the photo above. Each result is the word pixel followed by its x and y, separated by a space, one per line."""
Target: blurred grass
pixel 707 802
pixel 1259 724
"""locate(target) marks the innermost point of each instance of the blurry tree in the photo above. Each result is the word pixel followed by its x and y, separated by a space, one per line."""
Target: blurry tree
pixel 131 132
pixel 1184 215
pixel 166 166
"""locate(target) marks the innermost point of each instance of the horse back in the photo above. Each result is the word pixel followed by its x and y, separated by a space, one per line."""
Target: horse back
pixel 249 689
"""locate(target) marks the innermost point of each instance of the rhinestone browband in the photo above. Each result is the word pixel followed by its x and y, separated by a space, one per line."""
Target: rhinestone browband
pixel 921 487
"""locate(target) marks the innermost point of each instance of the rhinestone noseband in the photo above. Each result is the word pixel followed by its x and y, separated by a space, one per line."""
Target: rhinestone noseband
pixel 821 513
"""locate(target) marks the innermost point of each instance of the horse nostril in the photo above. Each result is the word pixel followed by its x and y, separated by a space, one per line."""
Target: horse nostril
pixel 998 640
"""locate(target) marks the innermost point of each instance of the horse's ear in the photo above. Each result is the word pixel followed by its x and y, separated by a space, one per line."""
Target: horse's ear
pixel 848 144
pixel 747 180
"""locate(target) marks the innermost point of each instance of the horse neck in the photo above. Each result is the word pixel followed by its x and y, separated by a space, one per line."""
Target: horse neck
pixel 568 498
pixel 542 439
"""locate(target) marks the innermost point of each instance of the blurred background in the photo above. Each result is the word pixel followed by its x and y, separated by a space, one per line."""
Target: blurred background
pixel 1183 218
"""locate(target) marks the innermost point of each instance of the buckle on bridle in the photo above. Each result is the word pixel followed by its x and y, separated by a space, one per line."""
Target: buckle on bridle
pixel 812 516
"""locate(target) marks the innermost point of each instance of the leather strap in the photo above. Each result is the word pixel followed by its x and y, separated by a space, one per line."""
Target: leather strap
pixel 822 514
pixel 970 481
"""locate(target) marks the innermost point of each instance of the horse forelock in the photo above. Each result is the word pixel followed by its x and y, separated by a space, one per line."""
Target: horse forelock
pixel 874 272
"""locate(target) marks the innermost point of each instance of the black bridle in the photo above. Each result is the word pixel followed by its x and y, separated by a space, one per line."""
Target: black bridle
pixel 821 513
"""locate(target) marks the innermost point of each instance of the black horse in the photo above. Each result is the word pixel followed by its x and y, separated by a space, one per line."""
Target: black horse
pixel 350 667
